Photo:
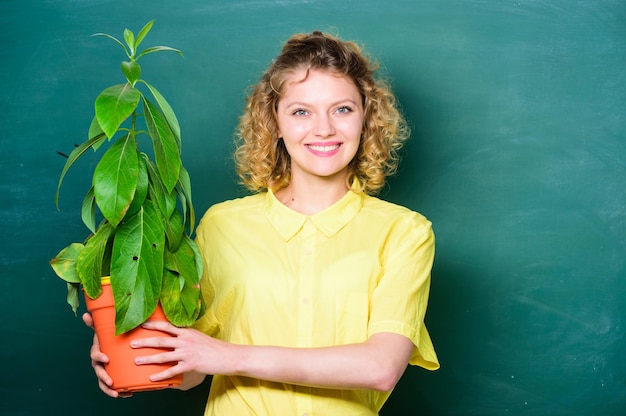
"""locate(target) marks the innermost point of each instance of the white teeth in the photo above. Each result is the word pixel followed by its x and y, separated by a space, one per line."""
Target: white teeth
pixel 324 148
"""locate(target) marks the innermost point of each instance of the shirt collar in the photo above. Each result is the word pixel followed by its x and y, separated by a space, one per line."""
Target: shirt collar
pixel 329 221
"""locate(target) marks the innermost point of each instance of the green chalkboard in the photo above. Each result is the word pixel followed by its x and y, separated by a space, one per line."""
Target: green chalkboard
pixel 518 156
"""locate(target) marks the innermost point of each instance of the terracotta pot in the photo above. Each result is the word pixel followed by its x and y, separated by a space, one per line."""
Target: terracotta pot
pixel 127 376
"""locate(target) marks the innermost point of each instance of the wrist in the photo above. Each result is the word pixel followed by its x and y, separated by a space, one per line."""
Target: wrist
pixel 243 360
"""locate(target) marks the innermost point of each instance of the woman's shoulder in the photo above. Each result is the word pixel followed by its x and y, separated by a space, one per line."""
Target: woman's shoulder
pixel 235 207
pixel 401 225
pixel 383 209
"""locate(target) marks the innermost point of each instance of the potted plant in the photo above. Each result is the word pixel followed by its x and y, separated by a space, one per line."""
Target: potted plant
pixel 143 201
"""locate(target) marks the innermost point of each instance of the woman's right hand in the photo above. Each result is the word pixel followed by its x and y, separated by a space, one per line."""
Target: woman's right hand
pixel 98 359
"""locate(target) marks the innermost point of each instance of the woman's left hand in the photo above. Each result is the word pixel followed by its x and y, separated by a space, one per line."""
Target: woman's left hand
pixel 193 351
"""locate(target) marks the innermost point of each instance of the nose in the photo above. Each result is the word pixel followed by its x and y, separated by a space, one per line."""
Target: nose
pixel 323 126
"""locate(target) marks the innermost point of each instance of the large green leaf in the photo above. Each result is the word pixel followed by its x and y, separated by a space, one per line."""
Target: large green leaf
pixel 166 151
pixel 89 263
pixel 115 179
pixel 73 157
pixel 169 114
pixel 181 298
pixel 137 267
pixel 114 105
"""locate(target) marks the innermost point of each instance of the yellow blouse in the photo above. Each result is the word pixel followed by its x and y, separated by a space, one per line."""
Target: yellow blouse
pixel 276 277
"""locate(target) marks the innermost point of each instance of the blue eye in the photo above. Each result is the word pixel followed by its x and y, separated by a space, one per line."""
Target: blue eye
pixel 344 110
pixel 300 112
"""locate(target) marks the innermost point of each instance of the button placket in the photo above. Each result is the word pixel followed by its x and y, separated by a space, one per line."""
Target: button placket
pixel 305 284
pixel 305 305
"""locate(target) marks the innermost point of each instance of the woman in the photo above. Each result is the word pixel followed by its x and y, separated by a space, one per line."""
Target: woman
pixel 316 291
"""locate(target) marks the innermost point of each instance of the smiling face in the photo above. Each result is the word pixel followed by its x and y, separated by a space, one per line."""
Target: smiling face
pixel 320 118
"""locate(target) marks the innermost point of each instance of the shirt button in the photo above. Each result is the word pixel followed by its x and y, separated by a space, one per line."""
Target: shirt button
pixel 307 252
pixel 306 302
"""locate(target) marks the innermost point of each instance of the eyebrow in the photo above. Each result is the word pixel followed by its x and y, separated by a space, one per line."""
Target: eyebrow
pixel 335 103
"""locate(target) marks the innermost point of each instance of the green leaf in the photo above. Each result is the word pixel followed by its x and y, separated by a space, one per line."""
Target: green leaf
pixel 129 38
pixel 164 200
pixel 115 40
pixel 142 33
pixel 181 298
pixel 174 230
pixel 142 188
pixel 154 49
pixel 96 131
pixel 169 114
pixel 72 296
pixel 199 271
pixel 183 205
pixel 197 256
pixel 74 156
pixel 64 264
pixel 89 262
pixel 166 151
pixel 115 179
pixel 114 105
pixel 184 185
pixel 132 71
pixel 137 267
pixel 88 210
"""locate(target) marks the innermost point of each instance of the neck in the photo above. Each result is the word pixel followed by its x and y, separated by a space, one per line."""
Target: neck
pixel 310 198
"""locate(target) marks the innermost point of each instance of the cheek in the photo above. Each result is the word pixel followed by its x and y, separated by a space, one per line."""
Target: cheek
pixel 293 129
pixel 353 130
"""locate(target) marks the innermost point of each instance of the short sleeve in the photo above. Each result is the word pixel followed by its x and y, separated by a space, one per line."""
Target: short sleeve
pixel 400 298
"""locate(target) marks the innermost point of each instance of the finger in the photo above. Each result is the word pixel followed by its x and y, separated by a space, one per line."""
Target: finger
pixel 160 358
pixel 161 342
pixel 98 359
pixel 169 373
pixel 88 319
pixel 105 382
pixel 113 393
pixel 96 354
pixel 104 379
pixel 107 390
pixel 161 326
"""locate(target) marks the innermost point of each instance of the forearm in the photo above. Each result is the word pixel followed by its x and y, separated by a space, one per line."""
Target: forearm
pixel 376 364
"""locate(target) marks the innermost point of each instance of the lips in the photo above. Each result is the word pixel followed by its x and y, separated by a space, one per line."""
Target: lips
pixel 324 150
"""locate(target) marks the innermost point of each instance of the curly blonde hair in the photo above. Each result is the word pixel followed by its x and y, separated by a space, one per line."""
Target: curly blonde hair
pixel 261 159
